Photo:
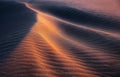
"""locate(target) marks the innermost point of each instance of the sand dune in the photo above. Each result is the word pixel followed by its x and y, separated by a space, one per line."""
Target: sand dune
pixel 55 40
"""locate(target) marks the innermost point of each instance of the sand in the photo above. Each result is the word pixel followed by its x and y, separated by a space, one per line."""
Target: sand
pixel 49 39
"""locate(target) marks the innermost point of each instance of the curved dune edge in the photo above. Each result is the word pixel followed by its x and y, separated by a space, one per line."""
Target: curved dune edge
pixel 46 51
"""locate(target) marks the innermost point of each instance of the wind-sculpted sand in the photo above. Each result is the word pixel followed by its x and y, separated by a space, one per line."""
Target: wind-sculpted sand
pixel 61 41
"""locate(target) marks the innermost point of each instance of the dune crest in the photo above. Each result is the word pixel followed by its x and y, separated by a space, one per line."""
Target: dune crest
pixel 56 47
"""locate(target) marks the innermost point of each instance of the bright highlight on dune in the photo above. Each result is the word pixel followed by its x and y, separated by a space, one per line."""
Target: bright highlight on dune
pixel 55 47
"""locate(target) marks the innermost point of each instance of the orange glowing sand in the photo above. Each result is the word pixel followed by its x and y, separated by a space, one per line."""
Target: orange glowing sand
pixel 44 51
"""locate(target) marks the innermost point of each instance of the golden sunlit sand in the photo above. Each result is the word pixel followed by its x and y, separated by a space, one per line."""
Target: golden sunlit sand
pixel 47 51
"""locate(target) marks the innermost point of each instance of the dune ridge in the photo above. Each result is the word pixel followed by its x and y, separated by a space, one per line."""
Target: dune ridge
pixel 57 47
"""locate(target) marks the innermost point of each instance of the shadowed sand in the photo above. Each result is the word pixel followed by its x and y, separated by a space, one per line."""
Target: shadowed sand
pixel 15 22
pixel 64 42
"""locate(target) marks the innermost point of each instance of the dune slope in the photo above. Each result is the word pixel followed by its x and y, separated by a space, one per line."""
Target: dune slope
pixel 64 42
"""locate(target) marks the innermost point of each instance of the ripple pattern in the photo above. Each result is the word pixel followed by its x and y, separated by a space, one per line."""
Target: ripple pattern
pixel 59 46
